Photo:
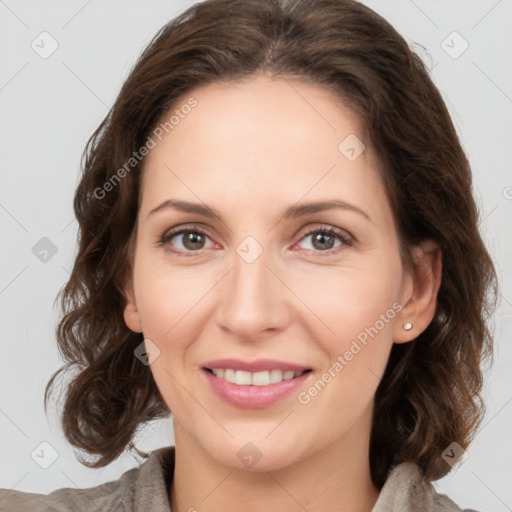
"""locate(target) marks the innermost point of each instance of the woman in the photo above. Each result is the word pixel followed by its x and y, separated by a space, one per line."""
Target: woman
pixel 279 245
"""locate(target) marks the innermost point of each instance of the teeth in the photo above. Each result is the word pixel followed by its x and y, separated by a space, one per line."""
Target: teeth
pixel 275 376
pixel 243 378
pixel 260 378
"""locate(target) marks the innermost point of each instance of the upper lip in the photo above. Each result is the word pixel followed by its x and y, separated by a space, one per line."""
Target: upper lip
pixel 254 366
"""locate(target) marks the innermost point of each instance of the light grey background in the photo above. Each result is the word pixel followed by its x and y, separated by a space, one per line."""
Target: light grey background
pixel 50 107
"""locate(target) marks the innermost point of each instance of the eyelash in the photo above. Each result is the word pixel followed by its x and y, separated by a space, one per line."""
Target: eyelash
pixel 328 230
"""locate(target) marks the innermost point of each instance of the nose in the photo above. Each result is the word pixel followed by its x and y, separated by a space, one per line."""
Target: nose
pixel 255 301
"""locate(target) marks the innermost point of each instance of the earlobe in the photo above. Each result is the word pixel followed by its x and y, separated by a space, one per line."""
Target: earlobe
pixel 421 300
pixel 131 313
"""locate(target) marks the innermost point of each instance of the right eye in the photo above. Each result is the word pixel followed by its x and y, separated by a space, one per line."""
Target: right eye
pixel 192 239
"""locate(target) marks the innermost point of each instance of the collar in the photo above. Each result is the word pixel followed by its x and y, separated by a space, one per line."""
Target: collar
pixel 147 487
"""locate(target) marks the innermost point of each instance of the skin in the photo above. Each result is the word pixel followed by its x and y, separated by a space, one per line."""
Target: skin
pixel 249 150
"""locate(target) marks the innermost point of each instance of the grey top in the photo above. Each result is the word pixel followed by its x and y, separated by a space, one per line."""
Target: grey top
pixel 145 488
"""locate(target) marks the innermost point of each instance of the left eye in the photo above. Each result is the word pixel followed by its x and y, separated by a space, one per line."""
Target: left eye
pixel 323 239
pixel 193 239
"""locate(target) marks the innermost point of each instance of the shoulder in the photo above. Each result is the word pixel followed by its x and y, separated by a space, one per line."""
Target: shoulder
pixel 102 497
pixel 140 488
pixel 405 489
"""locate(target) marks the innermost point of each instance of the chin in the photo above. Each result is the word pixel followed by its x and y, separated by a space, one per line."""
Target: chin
pixel 259 455
pixel 254 461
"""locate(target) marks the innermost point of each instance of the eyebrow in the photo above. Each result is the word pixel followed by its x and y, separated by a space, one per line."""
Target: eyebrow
pixel 291 212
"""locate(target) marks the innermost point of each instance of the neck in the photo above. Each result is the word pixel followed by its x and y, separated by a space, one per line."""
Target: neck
pixel 336 478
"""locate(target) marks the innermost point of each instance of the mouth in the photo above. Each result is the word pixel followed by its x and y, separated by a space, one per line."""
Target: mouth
pixel 254 384
pixel 260 378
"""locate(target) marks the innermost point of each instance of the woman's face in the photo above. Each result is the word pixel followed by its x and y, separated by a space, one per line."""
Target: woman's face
pixel 263 285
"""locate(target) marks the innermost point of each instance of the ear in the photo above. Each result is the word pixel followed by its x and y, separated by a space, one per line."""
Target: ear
pixel 419 298
pixel 131 314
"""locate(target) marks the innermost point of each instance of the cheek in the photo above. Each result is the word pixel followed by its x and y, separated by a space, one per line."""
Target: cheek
pixel 357 311
pixel 347 302
pixel 168 298
pixel 356 354
pixel 168 302
pixel 173 305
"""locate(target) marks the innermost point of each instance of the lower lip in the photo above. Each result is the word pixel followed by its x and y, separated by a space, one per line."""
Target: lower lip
pixel 253 397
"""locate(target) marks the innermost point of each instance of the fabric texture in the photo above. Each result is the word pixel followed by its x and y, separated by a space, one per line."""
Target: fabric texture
pixel 144 488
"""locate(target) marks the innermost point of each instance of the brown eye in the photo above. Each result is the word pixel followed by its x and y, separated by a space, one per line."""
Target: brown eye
pixel 185 240
pixel 193 240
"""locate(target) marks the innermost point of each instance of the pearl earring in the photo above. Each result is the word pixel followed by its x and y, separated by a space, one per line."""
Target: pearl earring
pixel 407 326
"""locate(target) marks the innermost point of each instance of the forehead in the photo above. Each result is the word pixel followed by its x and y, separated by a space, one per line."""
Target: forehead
pixel 261 139
pixel 279 113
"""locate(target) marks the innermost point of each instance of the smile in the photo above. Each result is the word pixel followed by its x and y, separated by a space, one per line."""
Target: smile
pixel 254 384
pixel 261 378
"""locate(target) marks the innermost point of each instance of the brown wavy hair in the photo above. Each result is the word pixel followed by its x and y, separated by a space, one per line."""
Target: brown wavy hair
pixel 429 395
